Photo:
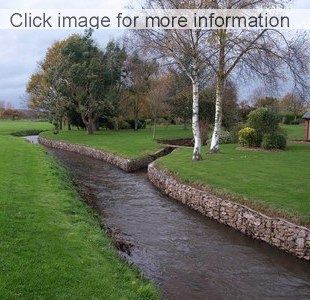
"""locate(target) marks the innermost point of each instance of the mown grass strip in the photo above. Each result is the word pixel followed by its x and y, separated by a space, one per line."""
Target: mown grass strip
pixel 51 246
pixel 9 127
pixel 278 181
pixel 125 143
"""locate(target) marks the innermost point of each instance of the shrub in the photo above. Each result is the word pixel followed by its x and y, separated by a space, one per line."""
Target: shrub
pixel 226 137
pixel 141 124
pixel 248 137
pixel 291 119
pixel 263 121
pixel 287 119
pixel 275 140
pixel 235 132
pixel 122 125
pixel 296 122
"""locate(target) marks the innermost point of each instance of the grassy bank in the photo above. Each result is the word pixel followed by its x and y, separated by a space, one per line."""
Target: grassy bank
pixel 51 245
pixel 125 143
pixel 297 132
pixel 8 127
pixel 276 181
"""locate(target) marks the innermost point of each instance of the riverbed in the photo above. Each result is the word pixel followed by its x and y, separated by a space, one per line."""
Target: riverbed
pixel 187 255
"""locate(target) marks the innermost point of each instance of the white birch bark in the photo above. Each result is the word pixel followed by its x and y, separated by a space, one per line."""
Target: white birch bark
pixel 220 85
pixel 195 119
pixel 215 142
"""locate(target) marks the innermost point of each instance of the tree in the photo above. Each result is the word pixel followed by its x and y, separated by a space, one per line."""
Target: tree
pixel 267 102
pixel 269 54
pixel 87 76
pixel 244 109
pixel 43 89
pixel 157 97
pixel 183 48
pixel 80 75
pixel 10 113
pixel 180 96
pixel 137 83
pixel 230 106
pixel 292 104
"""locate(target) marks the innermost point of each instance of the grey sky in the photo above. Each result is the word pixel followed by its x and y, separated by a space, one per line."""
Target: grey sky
pixel 21 49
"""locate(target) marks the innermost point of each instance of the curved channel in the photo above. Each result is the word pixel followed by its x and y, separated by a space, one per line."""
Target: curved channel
pixel 186 254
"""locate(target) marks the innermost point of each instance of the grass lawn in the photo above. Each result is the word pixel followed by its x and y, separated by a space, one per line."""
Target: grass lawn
pixel 7 127
pixel 51 246
pixel 264 180
pixel 125 143
pixel 295 131
pixel 274 182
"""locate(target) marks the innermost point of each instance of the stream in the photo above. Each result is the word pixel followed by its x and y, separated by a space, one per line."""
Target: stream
pixel 187 255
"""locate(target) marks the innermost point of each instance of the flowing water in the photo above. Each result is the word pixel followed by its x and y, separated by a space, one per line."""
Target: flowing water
pixel 186 254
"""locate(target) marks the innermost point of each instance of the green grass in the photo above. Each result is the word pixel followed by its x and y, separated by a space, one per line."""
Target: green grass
pixel 295 131
pixel 8 127
pixel 269 180
pixel 51 246
pixel 275 182
pixel 125 143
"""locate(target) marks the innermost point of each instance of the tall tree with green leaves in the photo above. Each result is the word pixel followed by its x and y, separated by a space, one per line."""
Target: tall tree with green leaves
pixel 88 75
pixel 137 81
pixel 43 90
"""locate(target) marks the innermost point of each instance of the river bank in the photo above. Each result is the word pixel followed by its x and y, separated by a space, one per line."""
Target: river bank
pixel 52 247
pixel 128 165
pixel 186 254
pixel 275 231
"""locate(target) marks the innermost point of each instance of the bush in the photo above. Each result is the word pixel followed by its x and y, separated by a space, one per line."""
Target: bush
pixel 123 125
pixel 275 140
pixel 141 124
pixel 263 121
pixel 291 119
pixel 296 122
pixel 287 119
pixel 226 137
pixel 235 132
pixel 248 137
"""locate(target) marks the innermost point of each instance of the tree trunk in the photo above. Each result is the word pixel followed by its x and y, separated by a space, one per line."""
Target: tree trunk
pixel 220 86
pixel 89 124
pixel 195 120
pixel 215 142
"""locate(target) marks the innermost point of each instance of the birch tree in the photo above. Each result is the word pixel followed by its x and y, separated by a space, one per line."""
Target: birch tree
pixel 268 54
pixel 183 48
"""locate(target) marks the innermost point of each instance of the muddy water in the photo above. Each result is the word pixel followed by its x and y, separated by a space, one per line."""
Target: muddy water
pixel 187 255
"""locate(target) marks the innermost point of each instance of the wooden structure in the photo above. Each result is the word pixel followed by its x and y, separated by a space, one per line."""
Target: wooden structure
pixel 306 117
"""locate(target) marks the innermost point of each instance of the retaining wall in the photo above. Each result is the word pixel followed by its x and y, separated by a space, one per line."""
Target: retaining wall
pixel 128 165
pixel 274 231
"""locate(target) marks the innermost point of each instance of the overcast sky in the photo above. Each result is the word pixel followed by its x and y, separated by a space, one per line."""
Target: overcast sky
pixel 20 50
